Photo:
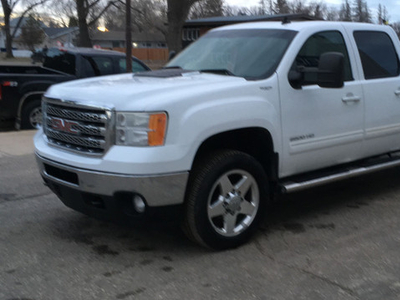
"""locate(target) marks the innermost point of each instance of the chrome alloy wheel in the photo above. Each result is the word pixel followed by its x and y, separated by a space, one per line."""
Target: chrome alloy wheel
pixel 35 117
pixel 233 203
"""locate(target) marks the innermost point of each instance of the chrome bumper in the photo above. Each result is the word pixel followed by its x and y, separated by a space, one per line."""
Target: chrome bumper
pixel 157 190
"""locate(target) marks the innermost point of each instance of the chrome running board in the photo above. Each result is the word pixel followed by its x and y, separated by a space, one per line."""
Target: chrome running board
pixel 294 185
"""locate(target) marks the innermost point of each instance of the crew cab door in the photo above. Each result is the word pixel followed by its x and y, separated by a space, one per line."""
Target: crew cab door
pixel 320 126
pixel 380 64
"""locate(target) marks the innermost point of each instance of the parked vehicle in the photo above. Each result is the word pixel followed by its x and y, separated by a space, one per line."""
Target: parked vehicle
pixel 246 112
pixel 38 56
pixel 21 87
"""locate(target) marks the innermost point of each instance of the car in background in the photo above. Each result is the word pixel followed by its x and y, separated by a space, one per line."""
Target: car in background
pixel 22 87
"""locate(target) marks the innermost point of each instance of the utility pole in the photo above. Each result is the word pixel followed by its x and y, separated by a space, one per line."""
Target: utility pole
pixel 128 37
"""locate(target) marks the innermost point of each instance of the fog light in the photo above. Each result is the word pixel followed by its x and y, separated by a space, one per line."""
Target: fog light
pixel 138 204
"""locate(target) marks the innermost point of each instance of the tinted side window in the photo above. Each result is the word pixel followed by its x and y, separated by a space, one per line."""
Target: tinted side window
pixel 97 66
pixel 317 44
pixel 89 68
pixel 104 64
pixel 378 55
pixel 60 61
pixel 136 67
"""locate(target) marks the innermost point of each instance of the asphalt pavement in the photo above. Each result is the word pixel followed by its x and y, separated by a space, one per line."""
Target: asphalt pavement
pixel 340 241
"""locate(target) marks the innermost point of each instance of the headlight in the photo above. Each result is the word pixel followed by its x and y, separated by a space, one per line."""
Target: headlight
pixel 141 129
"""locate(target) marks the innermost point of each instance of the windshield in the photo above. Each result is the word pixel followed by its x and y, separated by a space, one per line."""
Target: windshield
pixel 248 53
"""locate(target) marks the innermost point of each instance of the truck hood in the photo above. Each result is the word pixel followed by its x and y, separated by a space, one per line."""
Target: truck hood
pixel 130 92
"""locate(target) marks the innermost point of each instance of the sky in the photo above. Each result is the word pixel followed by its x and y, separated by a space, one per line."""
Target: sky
pixel 392 6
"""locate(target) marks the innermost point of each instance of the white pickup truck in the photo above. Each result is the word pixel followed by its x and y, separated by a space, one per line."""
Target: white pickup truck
pixel 245 112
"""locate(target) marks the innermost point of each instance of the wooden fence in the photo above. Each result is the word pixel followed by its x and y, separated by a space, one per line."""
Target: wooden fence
pixel 148 54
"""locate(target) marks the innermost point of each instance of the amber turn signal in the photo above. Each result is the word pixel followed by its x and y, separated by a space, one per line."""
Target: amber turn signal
pixel 157 126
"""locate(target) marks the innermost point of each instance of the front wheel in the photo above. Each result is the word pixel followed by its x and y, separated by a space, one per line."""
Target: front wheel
pixel 226 198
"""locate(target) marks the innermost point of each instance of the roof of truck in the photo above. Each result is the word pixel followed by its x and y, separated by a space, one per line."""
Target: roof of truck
pixel 90 51
pixel 302 25
pixel 226 20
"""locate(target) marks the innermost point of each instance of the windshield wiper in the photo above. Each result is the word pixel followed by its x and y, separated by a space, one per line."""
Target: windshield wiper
pixel 218 71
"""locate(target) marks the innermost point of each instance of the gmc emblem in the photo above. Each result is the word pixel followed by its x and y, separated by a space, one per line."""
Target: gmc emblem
pixel 64 125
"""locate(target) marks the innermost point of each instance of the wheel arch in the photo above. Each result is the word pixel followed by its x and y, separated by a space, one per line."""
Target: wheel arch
pixel 27 98
pixel 255 141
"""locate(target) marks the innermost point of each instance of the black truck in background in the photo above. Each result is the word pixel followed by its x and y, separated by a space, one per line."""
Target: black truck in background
pixel 22 87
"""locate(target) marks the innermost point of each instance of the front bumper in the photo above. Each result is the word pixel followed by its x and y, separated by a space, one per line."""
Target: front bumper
pixel 157 190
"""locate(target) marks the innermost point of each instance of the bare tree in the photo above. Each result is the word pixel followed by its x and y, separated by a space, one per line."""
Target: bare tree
pixel 262 7
pixel 382 14
pixel 230 10
pixel 114 17
pixel 72 22
pixel 128 36
pixel 345 12
pixel 270 6
pixel 367 13
pixel 207 8
pixel 64 11
pixel 332 14
pixel 49 20
pixel 178 11
pixel 299 7
pixel 254 11
pixel 361 12
pixel 82 13
pixel 317 9
pixel 280 7
pixel 160 17
pixel 147 16
pixel 8 8
pixel 89 12
pixel 31 33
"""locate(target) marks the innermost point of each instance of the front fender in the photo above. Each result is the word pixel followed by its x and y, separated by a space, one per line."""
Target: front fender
pixel 209 118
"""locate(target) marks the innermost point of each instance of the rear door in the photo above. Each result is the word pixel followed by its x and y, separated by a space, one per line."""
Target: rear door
pixel 379 59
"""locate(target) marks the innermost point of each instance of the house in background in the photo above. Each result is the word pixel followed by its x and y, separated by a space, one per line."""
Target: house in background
pixel 116 39
pixel 53 36
pixel 193 29
pixel 13 24
pixel 65 36
pixel 145 46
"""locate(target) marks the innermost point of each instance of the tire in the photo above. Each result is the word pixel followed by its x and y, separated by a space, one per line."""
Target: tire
pixel 31 114
pixel 226 199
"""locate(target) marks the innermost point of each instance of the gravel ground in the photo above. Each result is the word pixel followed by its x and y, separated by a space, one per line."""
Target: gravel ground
pixel 334 242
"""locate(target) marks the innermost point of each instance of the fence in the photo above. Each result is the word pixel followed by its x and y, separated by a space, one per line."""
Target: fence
pixel 148 54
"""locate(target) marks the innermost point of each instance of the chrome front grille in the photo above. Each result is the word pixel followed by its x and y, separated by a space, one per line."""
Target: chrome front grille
pixel 76 115
pixel 78 141
pixel 76 127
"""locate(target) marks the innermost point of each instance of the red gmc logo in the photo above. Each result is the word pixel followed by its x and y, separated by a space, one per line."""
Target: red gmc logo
pixel 64 125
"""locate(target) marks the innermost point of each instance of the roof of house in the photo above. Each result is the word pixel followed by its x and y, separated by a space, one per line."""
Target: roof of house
pixel 14 22
pixel 50 32
pixel 120 36
pixel 57 32
pixel 220 21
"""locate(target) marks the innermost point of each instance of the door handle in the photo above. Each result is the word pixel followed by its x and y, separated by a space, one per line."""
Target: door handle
pixel 351 99
pixel 397 92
